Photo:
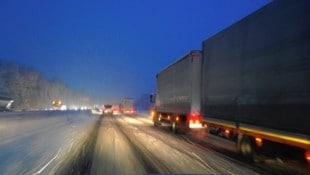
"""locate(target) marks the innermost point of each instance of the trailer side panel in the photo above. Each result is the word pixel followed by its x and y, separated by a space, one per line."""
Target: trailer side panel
pixel 257 71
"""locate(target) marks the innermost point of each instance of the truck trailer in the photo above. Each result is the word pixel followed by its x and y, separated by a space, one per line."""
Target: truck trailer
pixel 178 98
pixel 251 83
pixel 127 106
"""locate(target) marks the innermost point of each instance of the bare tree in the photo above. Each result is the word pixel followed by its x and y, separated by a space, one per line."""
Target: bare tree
pixel 31 90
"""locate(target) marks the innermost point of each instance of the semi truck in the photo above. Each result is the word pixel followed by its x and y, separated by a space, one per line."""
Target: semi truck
pixel 178 94
pixel 127 106
pixel 250 83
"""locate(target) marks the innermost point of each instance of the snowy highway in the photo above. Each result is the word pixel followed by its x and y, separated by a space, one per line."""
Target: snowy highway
pixel 131 145
pixel 77 142
pixel 40 142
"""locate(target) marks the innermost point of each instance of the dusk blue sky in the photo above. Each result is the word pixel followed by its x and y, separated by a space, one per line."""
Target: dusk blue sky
pixel 111 48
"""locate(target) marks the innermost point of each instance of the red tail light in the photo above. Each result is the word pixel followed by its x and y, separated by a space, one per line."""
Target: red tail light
pixel 307 155
pixel 194 121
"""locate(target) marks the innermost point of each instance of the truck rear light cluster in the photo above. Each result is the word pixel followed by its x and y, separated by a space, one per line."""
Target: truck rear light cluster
pixel 159 118
pixel 195 125
pixel 307 155
pixel 259 142
pixel 194 121
pixel 152 113
pixel 194 118
pixel 227 133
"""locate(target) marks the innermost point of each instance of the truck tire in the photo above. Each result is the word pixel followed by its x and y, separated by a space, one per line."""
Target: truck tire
pixel 174 127
pixel 156 122
pixel 178 128
pixel 246 148
pixel 182 128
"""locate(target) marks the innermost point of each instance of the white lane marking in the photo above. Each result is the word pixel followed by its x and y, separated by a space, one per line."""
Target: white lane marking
pixel 187 139
pixel 48 163
pixel 203 162
pixel 70 147
pixel 207 165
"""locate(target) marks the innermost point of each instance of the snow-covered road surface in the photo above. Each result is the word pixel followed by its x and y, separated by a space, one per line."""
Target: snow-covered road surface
pixel 76 142
pixel 37 142
pixel 131 145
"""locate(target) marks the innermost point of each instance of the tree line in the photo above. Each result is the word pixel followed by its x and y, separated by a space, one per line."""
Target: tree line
pixel 31 90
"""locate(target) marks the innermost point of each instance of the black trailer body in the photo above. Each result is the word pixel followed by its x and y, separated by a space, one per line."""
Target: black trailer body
pixel 257 71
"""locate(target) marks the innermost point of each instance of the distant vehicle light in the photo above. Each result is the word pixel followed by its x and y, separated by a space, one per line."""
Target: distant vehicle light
pixel 96 111
pixel 63 108
pixel 107 109
pixel 115 112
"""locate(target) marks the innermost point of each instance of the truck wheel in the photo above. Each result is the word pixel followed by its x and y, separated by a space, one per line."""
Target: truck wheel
pixel 182 128
pixel 178 128
pixel 155 121
pixel 246 147
pixel 174 127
